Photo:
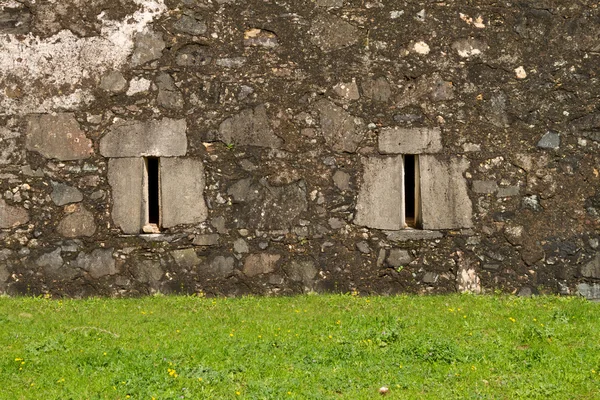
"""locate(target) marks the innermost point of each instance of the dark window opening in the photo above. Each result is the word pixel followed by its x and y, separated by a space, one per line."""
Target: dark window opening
pixel 152 166
pixel 411 191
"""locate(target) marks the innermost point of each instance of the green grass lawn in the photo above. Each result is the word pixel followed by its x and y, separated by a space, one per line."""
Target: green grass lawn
pixel 309 347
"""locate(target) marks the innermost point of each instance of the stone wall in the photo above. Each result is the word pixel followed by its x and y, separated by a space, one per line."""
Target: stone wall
pixel 281 128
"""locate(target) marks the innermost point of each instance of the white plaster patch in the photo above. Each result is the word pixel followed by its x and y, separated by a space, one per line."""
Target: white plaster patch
pixel 65 60
pixel 138 85
pixel 421 48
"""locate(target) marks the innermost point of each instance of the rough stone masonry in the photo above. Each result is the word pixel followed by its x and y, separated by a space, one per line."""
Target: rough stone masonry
pixel 289 146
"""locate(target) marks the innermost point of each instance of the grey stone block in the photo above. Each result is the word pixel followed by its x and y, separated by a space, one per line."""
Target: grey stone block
pixel 445 200
pixel 592 268
pixel 379 203
pixel 64 194
pixel 191 24
pixel 148 47
pixel 509 191
pixel 410 140
pixel 398 257
pixel 343 132
pixel 589 291
pixel 485 187
pixel 186 258
pixel 11 216
pixel 330 32
pixel 211 239
pixel 363 247
pixel 98 263
pixel 377 89
pixel 430 277
pixel 222 266
pixel 57 136
pixel 341 180
pixel 78 223
pixel 182 191
pixel 262 263
pixel 113 81
pixel 550 140
pixel 240 246
pixel 125 176
pixel 301 271
pixel 158 138
pixel 249 128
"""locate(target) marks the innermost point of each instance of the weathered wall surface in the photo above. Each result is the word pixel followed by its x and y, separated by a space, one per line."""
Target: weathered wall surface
pixel 280 128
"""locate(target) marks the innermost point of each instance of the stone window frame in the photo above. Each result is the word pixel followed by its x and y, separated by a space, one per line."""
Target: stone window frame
pixel 442 188
pixel 128 146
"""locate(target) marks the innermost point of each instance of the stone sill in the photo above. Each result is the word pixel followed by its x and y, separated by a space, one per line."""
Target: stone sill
pixel 413 234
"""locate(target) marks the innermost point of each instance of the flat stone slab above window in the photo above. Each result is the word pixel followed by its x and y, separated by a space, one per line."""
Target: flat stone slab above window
pixel 156 138
pixel 410 140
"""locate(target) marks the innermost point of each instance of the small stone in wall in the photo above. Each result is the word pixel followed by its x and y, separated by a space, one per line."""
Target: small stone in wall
pixel 589 291
pixel 330 32
pixel 398 258
pixel 341 180
pixel 592 268
pixel 469 47
pixel 508 191
pixel 191 24
pixel 138 85
pixel 330 3
pixel 347 90
pixel 377 89
pixel 235 62
pixel 520 73
pixel 186 258
pixel 169 95
pixel 11 216
pixel 57 136
pixel 336 223
pixel 80 222
pixel 4 274
pixel 430 277
pixel 342 131
pixel 222 266
pixel 260 37
pixel 363 247
pixel 301 271
pixel 148 46
pixel 147 271
pixel 240 246
pixel 532 202
pixel 262 263
pixel 211 239
pixel 421 48
pixel 193 55
pixel 54 266
pixel 64 194
pixel 249 128
pixel 514 234
pixel 98 263
pixel 113 81
pixel 550 140
pixel 485 187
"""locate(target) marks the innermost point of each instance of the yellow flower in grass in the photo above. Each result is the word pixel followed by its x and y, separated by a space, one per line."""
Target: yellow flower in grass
pixel 172 372
pixel 512 319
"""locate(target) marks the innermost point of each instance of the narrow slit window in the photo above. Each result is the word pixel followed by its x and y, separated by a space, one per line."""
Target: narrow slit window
pixel 412 195
pixel 152 168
